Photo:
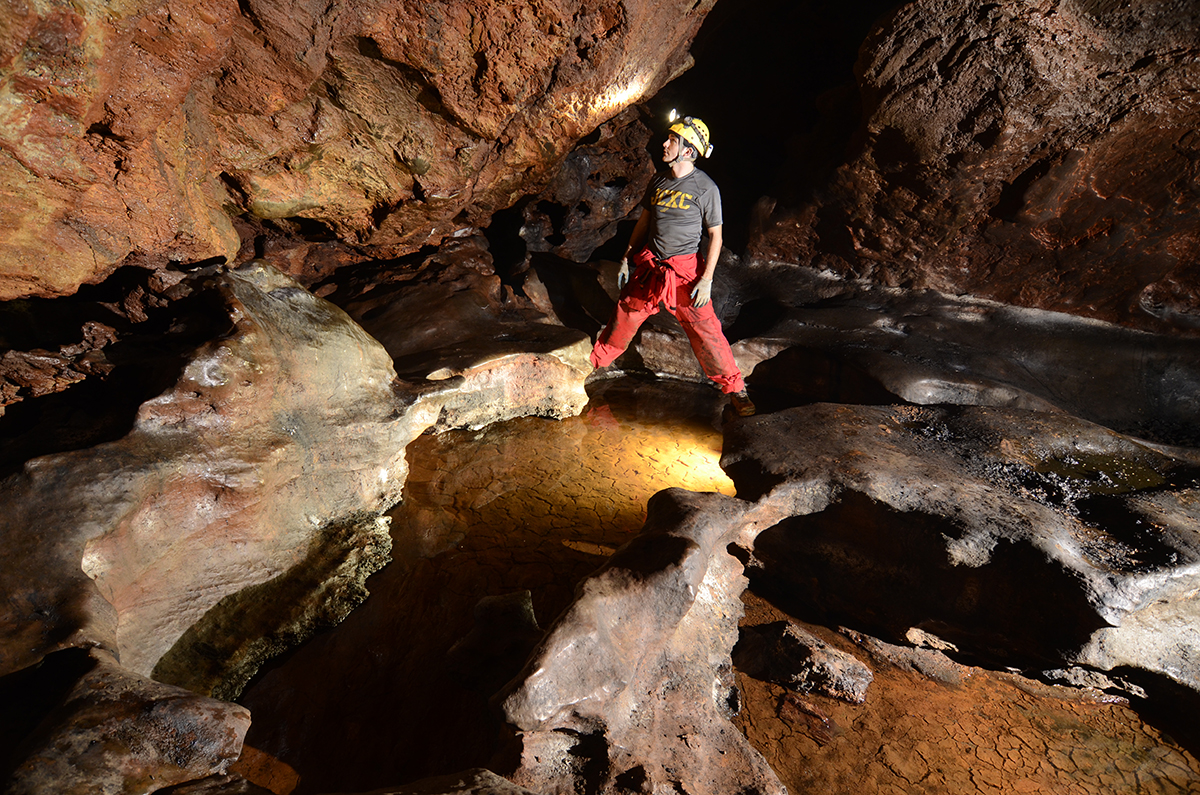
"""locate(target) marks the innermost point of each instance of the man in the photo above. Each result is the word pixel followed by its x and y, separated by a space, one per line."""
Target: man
pixel 681 202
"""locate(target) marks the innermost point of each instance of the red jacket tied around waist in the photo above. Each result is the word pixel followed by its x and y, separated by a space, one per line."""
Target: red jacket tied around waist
pixel 656 280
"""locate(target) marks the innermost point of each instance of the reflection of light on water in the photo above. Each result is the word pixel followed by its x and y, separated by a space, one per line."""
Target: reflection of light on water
pixel 693 459
pixel 588 548
pixel 581 482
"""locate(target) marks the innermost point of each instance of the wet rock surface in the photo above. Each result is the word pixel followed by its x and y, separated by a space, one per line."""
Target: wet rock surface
pixel 210 466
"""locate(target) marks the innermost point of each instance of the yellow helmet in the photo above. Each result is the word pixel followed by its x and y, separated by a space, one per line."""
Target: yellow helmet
pixel 694 131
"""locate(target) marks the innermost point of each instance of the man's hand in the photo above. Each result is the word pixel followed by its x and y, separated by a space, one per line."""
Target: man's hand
pixel 702 293
pixel 623 274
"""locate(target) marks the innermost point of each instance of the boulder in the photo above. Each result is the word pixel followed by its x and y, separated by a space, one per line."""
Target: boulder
pixel 122 733
pixel 632 688
pixel 271 437
pixel 785 653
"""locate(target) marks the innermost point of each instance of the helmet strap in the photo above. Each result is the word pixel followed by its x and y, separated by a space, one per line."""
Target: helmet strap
pixel 684 148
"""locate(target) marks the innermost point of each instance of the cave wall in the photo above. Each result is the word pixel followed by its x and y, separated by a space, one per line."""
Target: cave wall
pixel 137 132
pixel 1038 153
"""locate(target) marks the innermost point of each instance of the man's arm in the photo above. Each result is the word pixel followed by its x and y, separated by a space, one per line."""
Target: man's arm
pixel 714 252
pixel 636 241
pixel 702 292
pixel 638 238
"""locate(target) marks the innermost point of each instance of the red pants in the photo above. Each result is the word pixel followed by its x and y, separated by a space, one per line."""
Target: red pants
pixel 701 325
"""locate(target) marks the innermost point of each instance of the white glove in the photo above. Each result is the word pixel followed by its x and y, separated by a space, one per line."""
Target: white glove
pixel 702 293
pixel 623 274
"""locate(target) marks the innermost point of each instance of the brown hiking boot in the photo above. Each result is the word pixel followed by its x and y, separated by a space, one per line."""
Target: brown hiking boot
pixel 742 404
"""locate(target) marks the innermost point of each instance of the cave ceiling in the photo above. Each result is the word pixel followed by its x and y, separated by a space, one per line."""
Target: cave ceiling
pixel 1041 153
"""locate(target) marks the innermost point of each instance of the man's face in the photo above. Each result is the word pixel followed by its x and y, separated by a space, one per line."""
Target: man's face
pixel 671 147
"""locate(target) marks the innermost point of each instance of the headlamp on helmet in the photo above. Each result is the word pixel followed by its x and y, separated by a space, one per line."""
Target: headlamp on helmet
pixel 693 131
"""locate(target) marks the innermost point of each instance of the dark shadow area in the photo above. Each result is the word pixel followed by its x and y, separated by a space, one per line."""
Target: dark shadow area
pixel 1169 706
pixel 755 318
pixel 862 564
pixel 614 248
pixel 354 281
pixel 506 245
pixel 799 376
pixel 146 359
pixel 575 292
pixel 774 82
pixel 28 696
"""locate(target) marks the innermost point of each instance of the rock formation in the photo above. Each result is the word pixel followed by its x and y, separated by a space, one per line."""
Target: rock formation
pixel 966 522
pixel 198 451
pixel 1041 154
pixel 118 732
pixel 785 653
pixel 632 689
pixel 142 132
pixel 244 508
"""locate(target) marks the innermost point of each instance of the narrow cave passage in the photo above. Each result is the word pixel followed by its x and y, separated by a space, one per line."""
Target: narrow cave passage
pixel 535 505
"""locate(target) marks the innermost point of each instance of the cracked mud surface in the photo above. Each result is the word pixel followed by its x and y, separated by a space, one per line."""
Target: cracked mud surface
pixel 987 732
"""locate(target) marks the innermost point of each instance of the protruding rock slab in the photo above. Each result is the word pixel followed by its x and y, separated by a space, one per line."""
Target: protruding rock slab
pixel 145 127
pixel 787 654
pixel 287 425
pixel 1022 538
pixel 122 733
pixel 632 689
pixel 492 354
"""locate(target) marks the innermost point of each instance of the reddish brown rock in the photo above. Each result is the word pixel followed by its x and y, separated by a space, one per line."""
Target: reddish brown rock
pixel 1041 154
pixel 99 156
pixel 632 688
pixel 143 131
pixel 116 732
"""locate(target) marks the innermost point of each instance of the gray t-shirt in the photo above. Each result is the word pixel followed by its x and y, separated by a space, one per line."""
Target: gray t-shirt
pixel 681 209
